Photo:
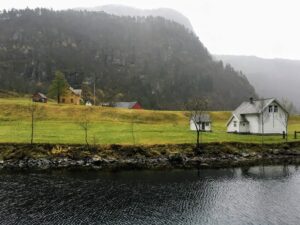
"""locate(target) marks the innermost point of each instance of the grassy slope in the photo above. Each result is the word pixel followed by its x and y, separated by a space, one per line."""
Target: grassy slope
pixel 59 124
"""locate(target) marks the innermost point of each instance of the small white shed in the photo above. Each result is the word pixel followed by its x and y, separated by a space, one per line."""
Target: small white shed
pixel 201 122
pixel 88 103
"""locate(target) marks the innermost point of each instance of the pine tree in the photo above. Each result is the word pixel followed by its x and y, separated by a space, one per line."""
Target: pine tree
pixel 59 86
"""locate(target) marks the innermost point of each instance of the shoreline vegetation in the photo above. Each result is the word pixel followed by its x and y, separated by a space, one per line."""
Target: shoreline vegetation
pixel 128 157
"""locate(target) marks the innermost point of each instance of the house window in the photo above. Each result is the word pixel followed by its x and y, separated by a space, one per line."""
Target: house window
pixel 275 108
pixel 207 124
pixel 270 108
pixel 72 100
pixel 234 123
pixel 244 124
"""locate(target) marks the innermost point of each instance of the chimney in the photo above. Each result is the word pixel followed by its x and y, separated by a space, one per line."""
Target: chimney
pixel 251 100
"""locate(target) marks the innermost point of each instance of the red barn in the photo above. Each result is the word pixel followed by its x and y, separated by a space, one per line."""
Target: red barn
pixel 127 105
pixel 39 97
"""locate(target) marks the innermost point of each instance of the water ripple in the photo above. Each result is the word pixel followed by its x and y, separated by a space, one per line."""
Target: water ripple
pixel 258 195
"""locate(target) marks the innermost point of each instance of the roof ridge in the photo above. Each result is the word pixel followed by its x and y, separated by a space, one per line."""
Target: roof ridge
pixel 262 99
pixel 256 106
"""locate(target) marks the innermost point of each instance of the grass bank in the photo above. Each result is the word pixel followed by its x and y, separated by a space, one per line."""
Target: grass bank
pixel 59 124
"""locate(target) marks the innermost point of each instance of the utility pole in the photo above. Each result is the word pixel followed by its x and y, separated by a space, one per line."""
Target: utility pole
pixel 94 89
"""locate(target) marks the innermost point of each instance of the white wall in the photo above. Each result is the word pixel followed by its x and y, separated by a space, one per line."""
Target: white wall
pixel 231 128
pixel 193 127
pixel 254 123
pixel 274 122
pixel 244 127
pixel 208 127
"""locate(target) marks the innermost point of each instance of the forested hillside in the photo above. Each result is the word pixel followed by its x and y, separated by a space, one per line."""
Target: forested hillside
pixel 151 60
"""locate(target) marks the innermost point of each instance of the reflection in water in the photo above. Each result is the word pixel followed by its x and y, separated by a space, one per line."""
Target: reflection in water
pixel 269 172
pixel 257 195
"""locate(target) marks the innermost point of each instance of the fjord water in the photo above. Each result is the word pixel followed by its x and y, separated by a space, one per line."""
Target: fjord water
pixel 258 195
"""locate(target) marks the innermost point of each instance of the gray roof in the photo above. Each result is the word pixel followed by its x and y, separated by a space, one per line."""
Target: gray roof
pixel 42 95
pixel 253 108
pixel 76 91
pixel 201 118
pixel 125 105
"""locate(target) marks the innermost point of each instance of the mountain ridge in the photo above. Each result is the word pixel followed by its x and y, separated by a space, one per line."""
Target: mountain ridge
pixel 275 77
pixel 122 10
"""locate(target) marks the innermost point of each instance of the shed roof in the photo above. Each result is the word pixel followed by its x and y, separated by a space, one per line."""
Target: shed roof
pixel 41 95
pixel 201 118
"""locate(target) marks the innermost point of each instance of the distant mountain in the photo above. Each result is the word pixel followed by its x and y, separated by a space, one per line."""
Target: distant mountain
pixel 151 60
pixel 121 10
pixel 278 78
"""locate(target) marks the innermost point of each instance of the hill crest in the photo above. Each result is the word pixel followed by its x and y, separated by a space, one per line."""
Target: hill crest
pixel 122 10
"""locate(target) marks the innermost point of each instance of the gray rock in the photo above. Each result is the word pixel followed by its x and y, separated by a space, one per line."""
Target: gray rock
pixel 275 151
pixel 80 162
pixel 96 158
pixel 22 164
pixel 31 163
pixel 245 155
pixel 204 164
pixel 63 162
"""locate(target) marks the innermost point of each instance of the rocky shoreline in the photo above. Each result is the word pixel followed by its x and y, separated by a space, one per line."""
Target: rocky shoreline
pixel 118 157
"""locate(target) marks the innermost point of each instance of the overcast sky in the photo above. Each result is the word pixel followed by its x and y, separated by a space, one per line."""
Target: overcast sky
pixel 265 28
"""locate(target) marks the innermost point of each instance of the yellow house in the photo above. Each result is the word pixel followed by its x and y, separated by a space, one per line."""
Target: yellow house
pixel 72 96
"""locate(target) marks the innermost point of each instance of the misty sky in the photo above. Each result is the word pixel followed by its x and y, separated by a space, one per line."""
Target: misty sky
pixel 265 28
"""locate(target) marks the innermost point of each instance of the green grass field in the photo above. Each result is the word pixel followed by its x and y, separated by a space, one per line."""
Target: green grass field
pixel 60 124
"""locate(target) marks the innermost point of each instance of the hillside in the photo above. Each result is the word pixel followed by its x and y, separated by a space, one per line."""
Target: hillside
pixel 278 78
pixel 152 60
pixel 121 10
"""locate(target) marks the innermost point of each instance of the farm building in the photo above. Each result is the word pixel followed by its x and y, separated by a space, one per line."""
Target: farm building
pixel 127 105
pixel 265 116
pixel 88 103
pixel 72 96
pixel 200 122
pixel 39 97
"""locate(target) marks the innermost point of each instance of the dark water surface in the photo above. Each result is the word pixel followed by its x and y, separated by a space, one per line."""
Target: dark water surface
pixel 259 195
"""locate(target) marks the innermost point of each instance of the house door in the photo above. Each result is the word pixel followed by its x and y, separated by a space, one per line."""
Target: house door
pixel 203 126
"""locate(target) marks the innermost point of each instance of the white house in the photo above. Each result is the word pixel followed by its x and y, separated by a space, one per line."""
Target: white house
pixel 266 116
pixel 202 122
